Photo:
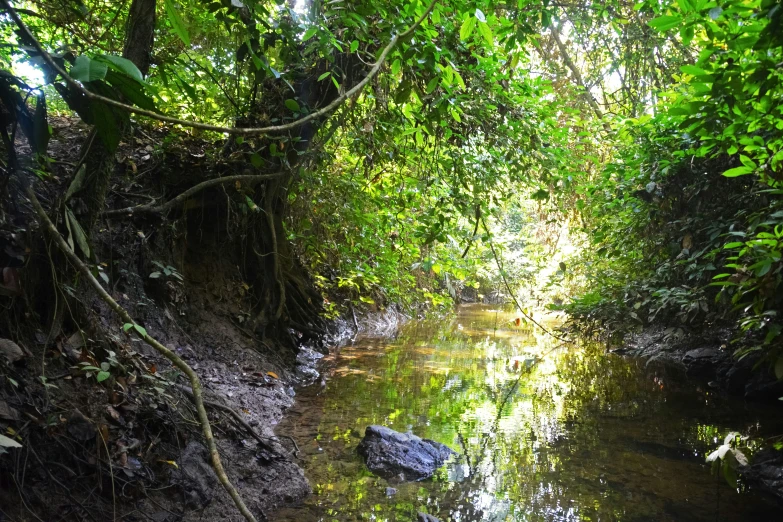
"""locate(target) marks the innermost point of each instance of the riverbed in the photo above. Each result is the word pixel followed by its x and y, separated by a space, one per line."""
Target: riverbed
pixel 544 432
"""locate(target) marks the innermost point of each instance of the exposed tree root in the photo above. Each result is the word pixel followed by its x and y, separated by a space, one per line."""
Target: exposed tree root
pixel 162 208
pixel 263 441
pixel 195 383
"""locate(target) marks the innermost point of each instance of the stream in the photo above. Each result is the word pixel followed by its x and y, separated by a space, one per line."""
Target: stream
pixel 583 435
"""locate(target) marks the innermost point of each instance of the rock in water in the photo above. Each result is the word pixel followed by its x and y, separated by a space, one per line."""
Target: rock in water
pixel 392 454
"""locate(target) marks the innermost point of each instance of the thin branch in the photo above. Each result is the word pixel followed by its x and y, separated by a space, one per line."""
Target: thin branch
pixel 165 207
pixel 475 229
pixel 212 77
pixel 513 296
pixel 354 91
pixel 577 74
pixel 175 359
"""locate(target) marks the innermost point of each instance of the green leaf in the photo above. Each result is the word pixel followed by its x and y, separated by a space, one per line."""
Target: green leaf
pixel 467 28
pixel 102 376
pixel 664 23
pixel 132 90
pixel 539 195
pixel 779 368
pixel 140 330
pixel 309 33
pixel 459 79
pixel 177 24
pixel 87 70
pixel 432 84
pixel 108 125
pixel 737 171
pixel 748 162
pixel 78 233
pixel 292 105
pixel 256 160
pixel 126 327
pixel 693 70
pixel 396 66
pixel 354 46
pixel 764 268
pixel 686 5
pixel 123 65
pixel 324 75
pixel 6 442
pixel 486 32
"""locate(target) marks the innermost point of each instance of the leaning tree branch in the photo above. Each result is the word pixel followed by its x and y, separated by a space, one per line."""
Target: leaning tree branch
pixel 511 293
pixel 591 101
pixel 152 208
pixel 247 131
pixel 195 383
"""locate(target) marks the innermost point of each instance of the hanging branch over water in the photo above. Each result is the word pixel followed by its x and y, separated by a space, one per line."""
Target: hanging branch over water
pixel 505 282
pixel 247 131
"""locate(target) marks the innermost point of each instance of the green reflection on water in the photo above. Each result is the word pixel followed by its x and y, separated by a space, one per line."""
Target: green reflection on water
pixel 583 436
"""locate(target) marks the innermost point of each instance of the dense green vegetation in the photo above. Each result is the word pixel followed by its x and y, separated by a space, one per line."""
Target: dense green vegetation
pixel 294 161
pixel 623 156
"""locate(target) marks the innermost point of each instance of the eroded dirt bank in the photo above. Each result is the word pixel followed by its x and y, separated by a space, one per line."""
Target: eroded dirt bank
pixel 96 424
pixel 129 447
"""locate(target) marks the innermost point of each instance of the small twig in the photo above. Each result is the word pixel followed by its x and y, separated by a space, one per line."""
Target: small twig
pixel 296 446
pixel 56 481
pixel 353 315
pixel 21 497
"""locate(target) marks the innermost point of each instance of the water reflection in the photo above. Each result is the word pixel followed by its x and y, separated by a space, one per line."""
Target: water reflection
pixel 582 436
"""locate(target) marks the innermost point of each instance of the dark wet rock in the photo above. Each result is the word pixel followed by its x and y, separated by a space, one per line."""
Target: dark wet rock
pixel 392 454
pixel 706 355
pixel 704 360
pixel 662 451
pixel 766 472
pixel 195 476
pixel 306 361
pixel 424 517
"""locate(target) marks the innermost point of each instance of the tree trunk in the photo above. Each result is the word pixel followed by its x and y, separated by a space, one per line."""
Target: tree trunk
pixel 99 160
pixel 140 34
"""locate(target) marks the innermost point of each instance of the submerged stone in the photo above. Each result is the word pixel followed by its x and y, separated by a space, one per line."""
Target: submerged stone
pixel 394 455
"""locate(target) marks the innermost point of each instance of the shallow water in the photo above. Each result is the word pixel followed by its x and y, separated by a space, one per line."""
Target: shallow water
pixel 583 435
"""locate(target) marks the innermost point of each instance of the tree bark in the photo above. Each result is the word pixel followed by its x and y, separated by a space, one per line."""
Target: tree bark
pixel 98 159
pixel 140 34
